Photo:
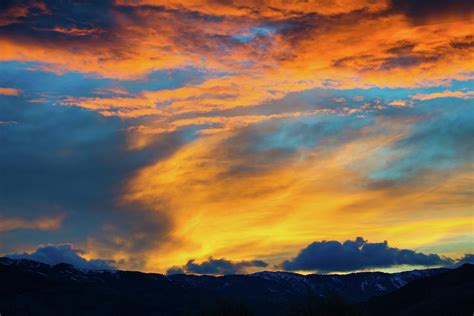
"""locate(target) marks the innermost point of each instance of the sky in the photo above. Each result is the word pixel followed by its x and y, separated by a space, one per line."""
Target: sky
pixel 231 136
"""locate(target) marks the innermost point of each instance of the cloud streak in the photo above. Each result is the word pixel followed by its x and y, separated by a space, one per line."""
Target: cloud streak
pixel 42 223
pixel 466 95
pixel 9 91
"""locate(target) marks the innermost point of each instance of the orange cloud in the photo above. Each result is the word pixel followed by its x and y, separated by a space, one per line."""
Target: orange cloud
pixel 302 47
pixel 265 8
pixel 331 51
pixel 214 94
pixel 74 31
pixel 398 103
pixel 42 223
pixel 445 94
pixel 141 136
pixel 9 91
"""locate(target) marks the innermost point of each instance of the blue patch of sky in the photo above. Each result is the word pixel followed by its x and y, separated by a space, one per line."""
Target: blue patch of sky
pixel 292 134
pixel 251 33
pixel 439 139
pixel 442 139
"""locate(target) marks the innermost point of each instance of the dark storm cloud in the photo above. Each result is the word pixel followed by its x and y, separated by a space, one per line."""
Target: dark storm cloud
pixel 135 231
pixel 73 162
pixel 406 61
pixel 217 266
pixel 402 58
pixel 175 270
pixel 358 254
pixel 466 42
pixel 52 22
pixel 422 10
pixel 468 258
pixel 64 253
pixel 65 11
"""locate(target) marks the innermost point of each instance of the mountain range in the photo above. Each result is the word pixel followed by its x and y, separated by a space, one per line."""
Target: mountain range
pixel 32 288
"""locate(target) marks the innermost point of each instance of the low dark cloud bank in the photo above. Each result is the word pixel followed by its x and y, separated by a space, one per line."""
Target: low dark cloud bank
pixel 358 254
pixel 65 253
pixel 330 256
pixel 468 258
pixel 217 266
pixel 321 256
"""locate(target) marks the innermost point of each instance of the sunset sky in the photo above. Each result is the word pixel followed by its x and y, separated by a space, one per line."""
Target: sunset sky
pixel 232 136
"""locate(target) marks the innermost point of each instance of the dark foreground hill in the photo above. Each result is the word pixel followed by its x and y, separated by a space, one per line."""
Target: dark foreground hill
pixel 32 288
pixel 450 294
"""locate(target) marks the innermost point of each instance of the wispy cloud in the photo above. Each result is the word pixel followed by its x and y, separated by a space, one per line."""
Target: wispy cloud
pixel 41 223
pixel 9 91
pixel 444 94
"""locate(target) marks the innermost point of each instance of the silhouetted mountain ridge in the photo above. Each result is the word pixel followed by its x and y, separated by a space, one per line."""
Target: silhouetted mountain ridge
pixel 33 288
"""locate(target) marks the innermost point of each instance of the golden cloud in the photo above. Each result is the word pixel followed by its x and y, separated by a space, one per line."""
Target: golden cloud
pixel 444 94
pixel 225 201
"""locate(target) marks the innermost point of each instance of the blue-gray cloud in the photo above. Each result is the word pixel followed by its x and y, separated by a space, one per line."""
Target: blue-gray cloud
pixel 73 162
pixel 175 270
pixel 217 266
pixel 65 253
pixel 468 258
pixel 358 254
